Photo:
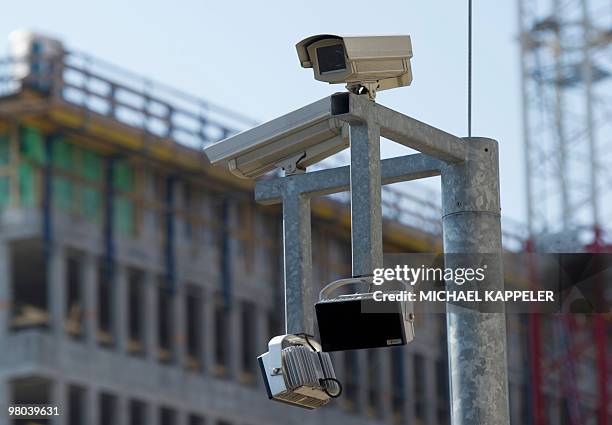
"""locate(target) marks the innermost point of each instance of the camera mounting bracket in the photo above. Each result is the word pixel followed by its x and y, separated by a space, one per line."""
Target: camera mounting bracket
pixel 364 88
pixel 292 165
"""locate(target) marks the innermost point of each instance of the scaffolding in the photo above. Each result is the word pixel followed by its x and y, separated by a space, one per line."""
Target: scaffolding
pixel 566 64
pixel 566 51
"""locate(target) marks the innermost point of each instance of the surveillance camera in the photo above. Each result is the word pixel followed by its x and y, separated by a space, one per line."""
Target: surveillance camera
pixel 365 64
pixel 291 142
pixel 296 372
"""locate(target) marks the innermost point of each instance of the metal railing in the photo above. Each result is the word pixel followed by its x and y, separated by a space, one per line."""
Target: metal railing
pixel 110 91
pixel 162 111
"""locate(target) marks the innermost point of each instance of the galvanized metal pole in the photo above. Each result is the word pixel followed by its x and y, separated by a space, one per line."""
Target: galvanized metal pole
pixel 366 209
pixel 476 340
pixel 298 260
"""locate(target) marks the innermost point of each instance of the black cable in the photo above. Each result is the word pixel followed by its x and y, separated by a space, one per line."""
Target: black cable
pixel 469 68
pixel 326 391
pixel 325 378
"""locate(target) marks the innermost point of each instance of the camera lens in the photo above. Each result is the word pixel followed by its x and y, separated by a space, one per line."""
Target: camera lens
pixel 331 58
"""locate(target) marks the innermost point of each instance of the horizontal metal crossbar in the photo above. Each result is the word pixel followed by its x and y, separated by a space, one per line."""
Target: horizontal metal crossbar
pixel 334 180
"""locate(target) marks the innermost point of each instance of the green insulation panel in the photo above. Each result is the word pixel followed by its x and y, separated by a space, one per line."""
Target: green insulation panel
pixel 5 150
pixel 62 195
pixel 27 185
pixel 31 144
pixel 124 216
pixel 91 165
pixel 91 204
pixel 124 176
pixel 62 154
pixel 5 181
pixel 5 191
pixel 85 197
pixel 124 207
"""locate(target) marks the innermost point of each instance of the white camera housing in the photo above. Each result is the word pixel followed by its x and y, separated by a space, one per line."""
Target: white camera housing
pixel 368 63
pixel 291 142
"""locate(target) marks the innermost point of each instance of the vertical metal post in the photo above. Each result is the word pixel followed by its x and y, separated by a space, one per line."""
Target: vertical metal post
pixel 534 367
pixel 587 74
pixel 526 119
pixel 298 261
pixel 366 210
pixel 476 340
pixel 560 123
pixel 601 347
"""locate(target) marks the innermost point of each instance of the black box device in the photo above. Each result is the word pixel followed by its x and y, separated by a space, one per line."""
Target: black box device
pixel 356 321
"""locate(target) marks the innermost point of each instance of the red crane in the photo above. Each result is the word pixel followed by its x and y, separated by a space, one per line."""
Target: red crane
pixel 579 337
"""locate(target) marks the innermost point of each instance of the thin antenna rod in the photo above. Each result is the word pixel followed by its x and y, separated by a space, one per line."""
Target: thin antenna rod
pixel 469 68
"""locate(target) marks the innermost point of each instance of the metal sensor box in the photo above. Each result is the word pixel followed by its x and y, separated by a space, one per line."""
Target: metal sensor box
pixel 357 321
pixel 296 372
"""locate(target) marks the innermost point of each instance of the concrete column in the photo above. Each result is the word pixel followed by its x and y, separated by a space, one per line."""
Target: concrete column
pixel 431 396
pixel 5 287
pixel 235 340
pixel 152 316
pixel 363 382
pixel 180 325
pixel 208 332
pixel 90 288
pixel 408 386
pixel 56 289
pixel 376 381
pixel 122 414
pixel 338 363
pixel 261 335
pixel 92 406
pixel 181 417
pixel 5 399
pixel 58 398
pixel 476 336
pixel 153 414
pixel 384 360
pixel 120 307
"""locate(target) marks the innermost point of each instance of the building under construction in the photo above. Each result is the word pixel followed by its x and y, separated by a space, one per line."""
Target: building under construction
pixel 138 284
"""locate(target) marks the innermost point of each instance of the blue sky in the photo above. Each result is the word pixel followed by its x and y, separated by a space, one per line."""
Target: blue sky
pixel 240 54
